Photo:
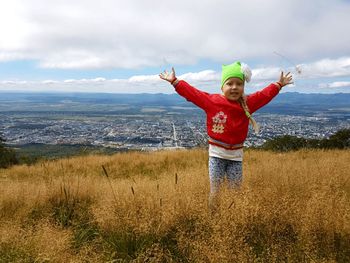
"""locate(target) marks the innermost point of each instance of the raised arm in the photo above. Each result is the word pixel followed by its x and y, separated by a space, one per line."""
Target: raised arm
pixel 190 93
pixel 260 98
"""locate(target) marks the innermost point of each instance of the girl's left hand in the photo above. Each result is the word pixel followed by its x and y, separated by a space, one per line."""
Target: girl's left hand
pixel 168 76
pixel 285 79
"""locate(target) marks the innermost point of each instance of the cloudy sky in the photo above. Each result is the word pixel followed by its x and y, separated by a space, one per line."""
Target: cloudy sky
pixel 121 46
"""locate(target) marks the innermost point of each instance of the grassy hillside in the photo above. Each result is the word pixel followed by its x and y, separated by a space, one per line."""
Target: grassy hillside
pixel 152 207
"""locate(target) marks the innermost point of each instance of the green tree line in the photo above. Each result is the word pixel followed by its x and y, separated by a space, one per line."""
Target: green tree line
pixel 339 140
pixel 7 156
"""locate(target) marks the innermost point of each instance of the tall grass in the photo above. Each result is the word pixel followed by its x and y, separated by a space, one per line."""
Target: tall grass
pixel 153 207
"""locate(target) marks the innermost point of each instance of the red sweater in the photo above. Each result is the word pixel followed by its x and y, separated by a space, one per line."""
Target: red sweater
pixel 226 120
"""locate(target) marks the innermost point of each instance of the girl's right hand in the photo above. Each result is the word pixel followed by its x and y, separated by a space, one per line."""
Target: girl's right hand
pixel 170 77
pixel 285 79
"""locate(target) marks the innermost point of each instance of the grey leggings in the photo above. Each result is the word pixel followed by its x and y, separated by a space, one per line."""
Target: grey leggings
pixel 221 169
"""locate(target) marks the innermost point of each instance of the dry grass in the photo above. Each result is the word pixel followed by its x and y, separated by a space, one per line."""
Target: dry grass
pixel 152 207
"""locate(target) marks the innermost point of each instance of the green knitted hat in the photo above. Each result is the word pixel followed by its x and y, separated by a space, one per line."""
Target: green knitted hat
pixel 233 70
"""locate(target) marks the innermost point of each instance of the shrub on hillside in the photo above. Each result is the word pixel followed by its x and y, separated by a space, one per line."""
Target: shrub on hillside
pixel 284 143
pixel 339 140
pixel 7 156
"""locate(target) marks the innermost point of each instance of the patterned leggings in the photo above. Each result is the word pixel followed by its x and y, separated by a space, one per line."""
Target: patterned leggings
pixel 219 169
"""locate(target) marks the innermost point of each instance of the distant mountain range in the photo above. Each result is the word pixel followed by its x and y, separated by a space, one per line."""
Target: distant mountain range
pixel 294 102
pixel 284 102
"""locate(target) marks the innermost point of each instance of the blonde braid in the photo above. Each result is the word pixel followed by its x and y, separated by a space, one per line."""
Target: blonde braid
pixel 243 101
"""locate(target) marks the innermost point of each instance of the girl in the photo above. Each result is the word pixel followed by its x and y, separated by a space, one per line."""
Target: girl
pixel 228 117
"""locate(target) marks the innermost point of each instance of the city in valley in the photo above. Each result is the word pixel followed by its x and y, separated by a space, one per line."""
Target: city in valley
pixel 144 126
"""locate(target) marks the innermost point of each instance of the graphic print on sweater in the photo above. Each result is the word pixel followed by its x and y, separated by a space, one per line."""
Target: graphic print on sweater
pixel 219 121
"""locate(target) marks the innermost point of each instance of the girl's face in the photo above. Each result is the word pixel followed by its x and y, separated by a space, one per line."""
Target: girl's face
pixel 233 88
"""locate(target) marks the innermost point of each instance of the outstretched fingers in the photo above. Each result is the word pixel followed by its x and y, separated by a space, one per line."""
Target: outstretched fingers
pixel 168 76
pixel 164 75
pixel 286 79
pixel 289 78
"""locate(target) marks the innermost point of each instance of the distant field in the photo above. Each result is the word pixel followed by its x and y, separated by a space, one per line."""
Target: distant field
pixel 54 151
pixel 285 103
pixel 154 109
pixel 153 207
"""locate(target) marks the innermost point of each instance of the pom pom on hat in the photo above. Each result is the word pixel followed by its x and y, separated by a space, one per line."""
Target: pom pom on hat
pixel 236 70
pixel 246 72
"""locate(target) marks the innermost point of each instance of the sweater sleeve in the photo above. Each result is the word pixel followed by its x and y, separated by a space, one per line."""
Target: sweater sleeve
pixel 190 93
pixel 260 98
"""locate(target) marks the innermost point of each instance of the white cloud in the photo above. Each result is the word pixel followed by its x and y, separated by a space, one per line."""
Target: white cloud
pixel 91 34
pixel 144 78
pixel 49 81
pixel 340 84
pixel 207 80
pixel 9 82
pixel 14 29
pixel 265 73
pixel 325 68
pixel 136 84
pixel 99 80
pixel 205 75
pixel 70 81
pixel 336 84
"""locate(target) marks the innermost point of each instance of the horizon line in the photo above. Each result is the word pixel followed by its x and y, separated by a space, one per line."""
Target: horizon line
pixel 138 93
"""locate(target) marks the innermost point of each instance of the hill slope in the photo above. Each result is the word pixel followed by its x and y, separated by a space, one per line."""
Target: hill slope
pixel 153 207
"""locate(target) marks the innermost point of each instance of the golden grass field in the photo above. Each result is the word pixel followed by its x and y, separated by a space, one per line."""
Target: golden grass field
pixel 153 207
